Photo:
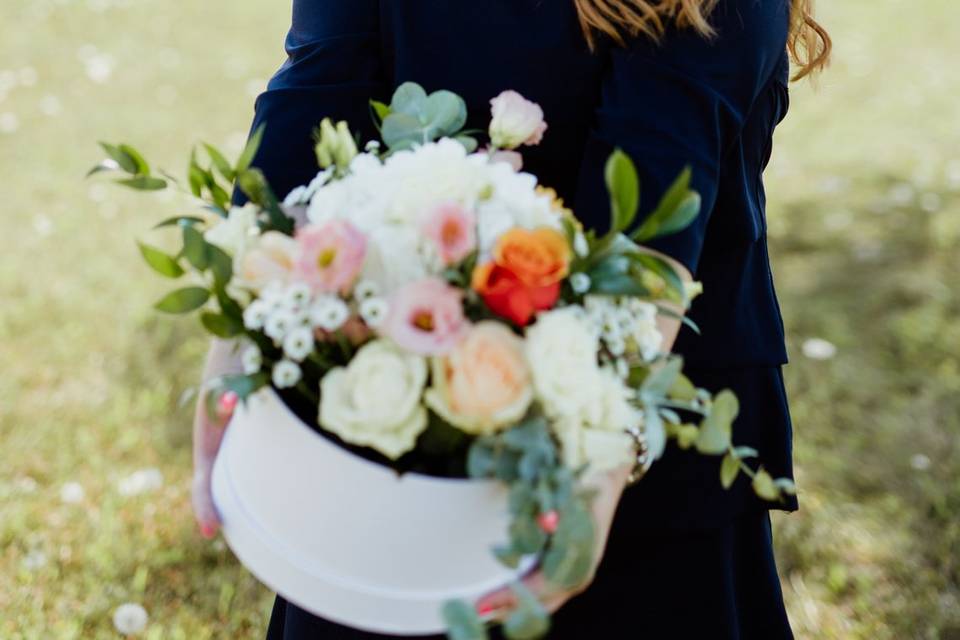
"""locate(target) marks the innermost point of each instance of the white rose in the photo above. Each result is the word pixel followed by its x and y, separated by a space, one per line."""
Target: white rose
pixel 375 401
pixel 561 348
pixel 516 121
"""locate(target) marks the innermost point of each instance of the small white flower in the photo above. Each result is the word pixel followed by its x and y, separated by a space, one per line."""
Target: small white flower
pixel 580 245
pixel 373 311
pixel 366 289
pixel 920 462
pixel 622 368
pixel 272 293
pixel 819 349
pixel 130 619
pixel 255 315
pixel 615 345
pixel 580 282
pixel 286 374
pixel 72 493
pixel 34 560
pixel 298 294
pixel 252 360
pixel 278 324
pixel 372 147
pixel 298 344
pixel 329 314
pixel 141 481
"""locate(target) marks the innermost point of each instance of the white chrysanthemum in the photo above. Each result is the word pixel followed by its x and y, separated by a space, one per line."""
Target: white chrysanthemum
pixel 277 325
pixel 130 619
pixel 298 294
pixel 142 481
pixel 286 374
pixel 298 344
pixel 251 359
pixel 238 232
pixel 329 313
pixel 366 289
pixel 255 315
pixel 373 311
pixel 72 493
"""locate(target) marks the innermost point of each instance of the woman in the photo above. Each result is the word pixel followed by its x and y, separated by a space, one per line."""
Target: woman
pixel 673 83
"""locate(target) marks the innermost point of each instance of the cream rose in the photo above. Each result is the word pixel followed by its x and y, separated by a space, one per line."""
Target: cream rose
pixel 270 260
pixel 483 384
pixel 375 400
pixel 238 232
pixel 561 347
pixel 516 121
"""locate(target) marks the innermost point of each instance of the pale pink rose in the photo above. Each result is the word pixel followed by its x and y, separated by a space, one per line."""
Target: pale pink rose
pixel 426 317
pixel 516 121
pixel 331 255
pixel 484 383
pixel 271 260
pixel 453 230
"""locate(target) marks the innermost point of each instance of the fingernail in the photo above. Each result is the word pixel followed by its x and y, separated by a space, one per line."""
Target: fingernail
pixel 484 608
pixel 207 531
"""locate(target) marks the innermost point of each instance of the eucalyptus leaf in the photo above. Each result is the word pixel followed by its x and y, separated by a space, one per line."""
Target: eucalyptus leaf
pixel 529 620
pixel 401 130
pixel 745 453
pixel 183 300
pixel 569 560
pixel 716 429
pixel 463 622
pixel 160 262
pixel 444 113
pixel 408 99
pixel 659 383
pixel 764 486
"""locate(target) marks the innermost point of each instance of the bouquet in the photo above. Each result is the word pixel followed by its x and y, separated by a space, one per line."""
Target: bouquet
pixel 425 302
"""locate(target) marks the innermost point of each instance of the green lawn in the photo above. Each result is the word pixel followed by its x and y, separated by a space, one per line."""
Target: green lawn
pixel 864 196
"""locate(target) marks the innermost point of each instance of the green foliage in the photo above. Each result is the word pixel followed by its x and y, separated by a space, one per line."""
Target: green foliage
pixel 160 262
pixel 183 300
pixel 678 207
pixel 529 620
pixel 462 622
pixel 623 185
pixel 414 117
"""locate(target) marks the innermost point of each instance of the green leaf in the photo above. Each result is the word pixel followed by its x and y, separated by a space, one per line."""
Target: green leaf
pixel 126 162
pixel 664 270
pixel 250 150
pixel 569 560
pixel 463 622
pixel 745 453
pixel 160 262
pixel 195 248
pixel 673 200
pixel 380 110
pixel 106 165
pixel 624 187
pixel 183 300
pixel 659 383
pixel 243 385
pixel 480 460
pixel 144 183
pixel 681 218
pixel 469 143
pixel 221 264
pixel 729 469
pixel 401 130
pixel 682 389
pixel 716 429
pixel 221 325
pixel 764 486
pixel 786 485
pixel 529 620
pixel 178 220
pixel 445 113
pixel 220 162
pixel 143 169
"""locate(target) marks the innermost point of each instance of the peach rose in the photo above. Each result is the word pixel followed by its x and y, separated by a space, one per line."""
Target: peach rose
pixel 270 260
pixel 484 384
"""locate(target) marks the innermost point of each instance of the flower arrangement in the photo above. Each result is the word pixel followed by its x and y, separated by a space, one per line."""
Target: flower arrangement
pixel 427 303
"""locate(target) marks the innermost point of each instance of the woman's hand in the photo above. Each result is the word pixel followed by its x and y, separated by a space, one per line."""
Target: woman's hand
pixel 207 435
pixel 609 487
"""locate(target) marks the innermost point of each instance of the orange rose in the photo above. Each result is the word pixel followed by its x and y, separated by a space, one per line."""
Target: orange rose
pixel 525 273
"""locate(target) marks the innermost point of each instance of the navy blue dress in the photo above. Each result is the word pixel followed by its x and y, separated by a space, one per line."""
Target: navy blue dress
pixel 686 559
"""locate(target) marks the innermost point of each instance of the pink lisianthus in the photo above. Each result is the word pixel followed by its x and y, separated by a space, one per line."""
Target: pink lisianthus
pixel 331 255
pixel 426 317
pixel 452 228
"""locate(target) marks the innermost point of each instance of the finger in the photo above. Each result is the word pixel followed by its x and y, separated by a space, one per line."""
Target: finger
pixel 502 601
pixel 204 510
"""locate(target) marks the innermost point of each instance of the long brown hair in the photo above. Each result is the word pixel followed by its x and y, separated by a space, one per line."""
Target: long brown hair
pixel 809 43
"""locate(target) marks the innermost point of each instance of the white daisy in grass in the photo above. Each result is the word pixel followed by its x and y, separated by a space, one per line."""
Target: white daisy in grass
pixel 130 619
pixel 72 493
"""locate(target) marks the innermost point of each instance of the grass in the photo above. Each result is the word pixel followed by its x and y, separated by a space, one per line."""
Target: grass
pixel 864 196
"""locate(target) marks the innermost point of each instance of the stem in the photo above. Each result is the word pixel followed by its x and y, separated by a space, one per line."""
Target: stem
pixel 308 393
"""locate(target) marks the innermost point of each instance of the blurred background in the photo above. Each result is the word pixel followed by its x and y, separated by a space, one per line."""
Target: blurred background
pixel 864 197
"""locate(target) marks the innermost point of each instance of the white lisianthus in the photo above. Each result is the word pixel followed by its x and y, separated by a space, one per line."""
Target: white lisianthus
pixel 562 348
pixel 286 374
pixel 251 360
pixel 298 344
pixel 238 232
pixel 375 401
pixel 516 121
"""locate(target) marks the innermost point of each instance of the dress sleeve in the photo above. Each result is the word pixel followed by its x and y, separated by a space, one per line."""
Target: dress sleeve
pixel 682 101
pixel 333 69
